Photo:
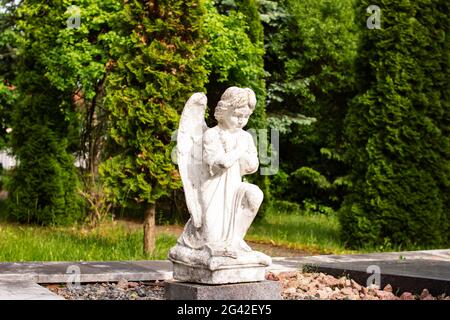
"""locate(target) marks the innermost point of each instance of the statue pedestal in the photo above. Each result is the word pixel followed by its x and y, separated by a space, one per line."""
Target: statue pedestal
pixel 238 274
pixel 207 266
pixel 263 290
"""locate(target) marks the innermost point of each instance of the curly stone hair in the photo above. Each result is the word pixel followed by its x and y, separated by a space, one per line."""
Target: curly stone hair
pixel 235 97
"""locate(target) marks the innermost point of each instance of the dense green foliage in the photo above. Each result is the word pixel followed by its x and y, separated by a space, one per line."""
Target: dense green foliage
pixel 8 50
pixel 398 128
pixel 43 184
pixel 311 47
pixel 77 63
pixel 156 66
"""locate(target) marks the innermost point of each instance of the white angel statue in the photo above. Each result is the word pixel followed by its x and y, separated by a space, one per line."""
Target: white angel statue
pixel 222 207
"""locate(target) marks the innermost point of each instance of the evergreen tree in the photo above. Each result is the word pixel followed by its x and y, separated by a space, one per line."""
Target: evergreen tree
pixel 8 94
pixel 398 139
pixel 44 184
pixel 156 67
pixel 310 53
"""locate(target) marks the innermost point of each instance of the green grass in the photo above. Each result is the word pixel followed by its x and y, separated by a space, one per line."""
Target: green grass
pixel 314 233
pixel 311 232
pixel 32 243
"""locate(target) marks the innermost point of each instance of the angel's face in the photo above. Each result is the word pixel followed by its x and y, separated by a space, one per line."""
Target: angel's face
pixel 237 118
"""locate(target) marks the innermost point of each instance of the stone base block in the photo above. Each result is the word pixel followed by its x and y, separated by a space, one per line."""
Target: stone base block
pixel 182 272
pixel 264 290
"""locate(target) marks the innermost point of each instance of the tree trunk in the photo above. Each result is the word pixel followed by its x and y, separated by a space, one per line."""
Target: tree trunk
pixel 149 229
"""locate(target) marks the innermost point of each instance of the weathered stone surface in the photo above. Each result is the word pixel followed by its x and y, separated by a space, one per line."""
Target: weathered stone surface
pixel 92 271
pixel 222 276
pixel 286 264
pixel 264 290
pixel 25 290
pixel 295 262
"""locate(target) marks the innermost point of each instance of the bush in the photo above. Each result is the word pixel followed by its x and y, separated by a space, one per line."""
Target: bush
pixel 43 186
pixel 310 52
pixel 286 206
pixel 398 133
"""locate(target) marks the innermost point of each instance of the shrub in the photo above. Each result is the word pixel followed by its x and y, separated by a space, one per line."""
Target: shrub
pixel 397 128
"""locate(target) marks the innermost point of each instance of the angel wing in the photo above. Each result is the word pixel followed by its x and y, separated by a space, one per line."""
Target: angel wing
pixel 189 152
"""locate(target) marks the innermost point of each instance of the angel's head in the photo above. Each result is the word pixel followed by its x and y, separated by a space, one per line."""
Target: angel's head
pixel 235 107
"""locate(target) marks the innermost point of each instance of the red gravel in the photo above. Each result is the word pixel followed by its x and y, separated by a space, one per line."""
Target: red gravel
pixel 320 286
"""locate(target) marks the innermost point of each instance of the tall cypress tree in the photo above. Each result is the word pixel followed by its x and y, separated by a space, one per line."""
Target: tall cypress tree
pixel 398 139
pixel 43 185
pixel 156 67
